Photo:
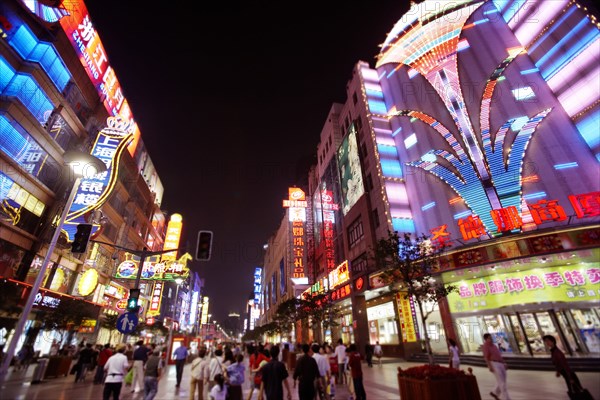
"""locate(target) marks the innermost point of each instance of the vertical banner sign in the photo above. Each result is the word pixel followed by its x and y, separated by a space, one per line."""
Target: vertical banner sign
pixel 92 55
pixel 328 209
pixel 204 319
pixel 257 285
pixel 173 235
pixel 406 312
pixel 297 205
pixel 155 300
pixel 94 191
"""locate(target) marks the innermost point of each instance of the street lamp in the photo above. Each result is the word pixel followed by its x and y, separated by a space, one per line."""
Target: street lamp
pixel 82 165
pixel 178 281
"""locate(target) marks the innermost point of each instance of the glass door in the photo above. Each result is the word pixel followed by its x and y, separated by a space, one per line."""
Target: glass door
pixel 547 327
pixel 568 332
pixel 532 332
pixel 518 333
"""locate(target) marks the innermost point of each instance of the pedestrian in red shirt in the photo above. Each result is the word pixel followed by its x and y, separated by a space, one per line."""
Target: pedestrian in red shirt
pixel 103 357
pixel 355 365
pixel 497 366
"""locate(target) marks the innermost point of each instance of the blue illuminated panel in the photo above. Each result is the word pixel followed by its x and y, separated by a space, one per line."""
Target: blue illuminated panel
pixel 566 165
pixel 588 128
pixel 428 206
pixel 25 88
pixel 31 49
pixel 403 225
pixel 536 195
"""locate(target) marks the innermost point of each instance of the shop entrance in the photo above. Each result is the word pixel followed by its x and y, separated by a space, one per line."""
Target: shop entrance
pixel 576 331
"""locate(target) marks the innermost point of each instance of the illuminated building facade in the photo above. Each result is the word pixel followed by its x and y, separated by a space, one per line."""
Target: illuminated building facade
pixel 491 147
pixel 499 159
pixel 56 96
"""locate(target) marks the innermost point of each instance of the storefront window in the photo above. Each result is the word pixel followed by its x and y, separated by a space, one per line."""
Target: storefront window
pixel 382 324
pixel 588 324
pixel 435 328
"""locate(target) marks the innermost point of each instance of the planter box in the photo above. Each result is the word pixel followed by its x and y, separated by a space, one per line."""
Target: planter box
pixel 461 388
pixel 58 366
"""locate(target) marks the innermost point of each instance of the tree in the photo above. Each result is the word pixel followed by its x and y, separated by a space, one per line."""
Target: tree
pixel 410 263
pixel 321 311
pixel 109 321
pixel 67 316
pixel 286 315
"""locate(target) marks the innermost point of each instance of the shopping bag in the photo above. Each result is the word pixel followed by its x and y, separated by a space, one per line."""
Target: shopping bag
pixel 129 377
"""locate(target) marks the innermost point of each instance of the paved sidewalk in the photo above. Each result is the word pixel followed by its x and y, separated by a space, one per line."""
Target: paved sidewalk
pixel 380 382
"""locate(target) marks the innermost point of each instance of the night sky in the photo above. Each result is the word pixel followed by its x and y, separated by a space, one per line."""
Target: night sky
pixel 230 103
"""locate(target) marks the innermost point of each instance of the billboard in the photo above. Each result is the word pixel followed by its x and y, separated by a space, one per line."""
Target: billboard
pixel 350 171
pixel 154 270
pixel 257 284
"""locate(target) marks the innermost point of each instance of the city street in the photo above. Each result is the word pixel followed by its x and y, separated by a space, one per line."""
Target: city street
pixel 380 383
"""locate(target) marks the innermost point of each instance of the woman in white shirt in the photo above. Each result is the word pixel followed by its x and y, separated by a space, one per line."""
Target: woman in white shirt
pixel 453 351
pixel 219 391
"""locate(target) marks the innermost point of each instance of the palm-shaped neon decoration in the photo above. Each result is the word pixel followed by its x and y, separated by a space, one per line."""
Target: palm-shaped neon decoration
pixel 475 167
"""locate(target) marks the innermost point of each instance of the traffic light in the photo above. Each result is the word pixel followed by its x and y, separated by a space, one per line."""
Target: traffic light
pixel 82 237
pixel 204 245
pixel 132 301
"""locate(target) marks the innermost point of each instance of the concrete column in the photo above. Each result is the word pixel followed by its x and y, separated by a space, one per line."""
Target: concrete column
pixel 360 322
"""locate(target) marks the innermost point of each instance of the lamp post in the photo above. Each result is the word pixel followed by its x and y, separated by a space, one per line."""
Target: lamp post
pixel 82 165
pixel 178 281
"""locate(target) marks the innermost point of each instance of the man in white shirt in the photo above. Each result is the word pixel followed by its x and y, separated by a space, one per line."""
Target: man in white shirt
pixel 116 367
pixel 340 352
pixel 324 370
pixel 215 367
pixel 199 374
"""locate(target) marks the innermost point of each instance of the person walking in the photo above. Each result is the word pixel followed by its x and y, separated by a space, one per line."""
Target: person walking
pixel 235 378
pixel 497 366
pixel 354 363
pixel 324 370
pixel 454 354
pixel 340 352
pixel 199 374
pixel 378 351
pixel 103 357
pixel 369 354
pixel 257 360
pixel 306 372
pixel 215 367
pixel 180 354
pixel 84 362
pixel 116 367
pixel 152 372
pixel 140 356
pixel 562 367
pixel 274 377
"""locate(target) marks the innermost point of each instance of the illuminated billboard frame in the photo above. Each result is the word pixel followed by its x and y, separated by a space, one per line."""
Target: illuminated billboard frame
pixel 351 179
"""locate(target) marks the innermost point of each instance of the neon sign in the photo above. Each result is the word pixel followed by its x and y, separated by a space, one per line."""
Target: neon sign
pixel 94 191
pixel 257 284
pixel 153 269
pixel 328 209
pixel 92 55
pixel 339 275
pixel 173 235
pixel 297 216
pixel 155 298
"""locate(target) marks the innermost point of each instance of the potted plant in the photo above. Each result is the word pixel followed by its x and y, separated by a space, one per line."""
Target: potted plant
pixel 410 264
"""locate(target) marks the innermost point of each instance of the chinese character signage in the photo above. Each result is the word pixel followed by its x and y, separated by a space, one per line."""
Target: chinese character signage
pixel 154 269
pixel 92 55
pixel 155 299
pixel 408 317
pixel 297 216
pixel 328 209
pixel 552 284
pixel 257 284
pixel 172 238
pixel 94 191
pixel 204 319
pixel 339 275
